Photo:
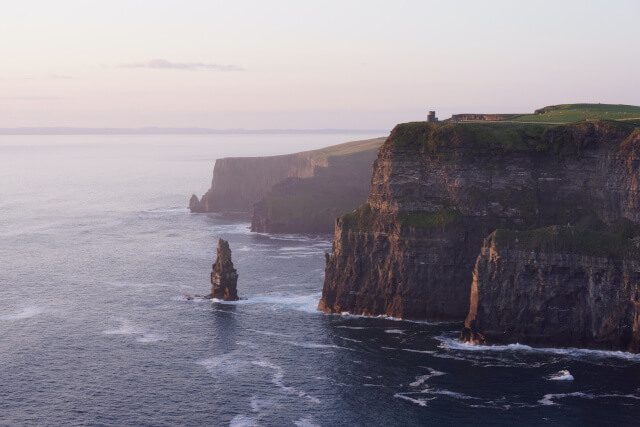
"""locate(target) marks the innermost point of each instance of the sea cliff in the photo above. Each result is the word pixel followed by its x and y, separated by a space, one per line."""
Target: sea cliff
pixel 439 189
pixel 297 193
pixel 558 286
pixel 239 182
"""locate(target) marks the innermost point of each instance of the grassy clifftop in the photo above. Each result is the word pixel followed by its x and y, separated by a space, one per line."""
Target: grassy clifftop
pixel 568 113
pixel 475 138
pixel 615 240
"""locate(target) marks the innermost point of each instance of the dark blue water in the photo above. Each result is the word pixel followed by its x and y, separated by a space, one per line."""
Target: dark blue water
pixel 97 251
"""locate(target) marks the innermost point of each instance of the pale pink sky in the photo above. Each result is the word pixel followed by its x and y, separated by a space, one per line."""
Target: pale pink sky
pixel 293 64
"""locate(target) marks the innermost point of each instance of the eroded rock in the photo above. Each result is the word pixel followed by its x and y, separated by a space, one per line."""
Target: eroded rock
pixel 224 278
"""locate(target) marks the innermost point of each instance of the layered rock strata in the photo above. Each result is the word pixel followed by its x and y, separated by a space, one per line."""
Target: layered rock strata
pixel 559 286
pixel 438 189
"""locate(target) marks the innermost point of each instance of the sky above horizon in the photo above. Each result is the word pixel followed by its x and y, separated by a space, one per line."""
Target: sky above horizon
pixel 299 65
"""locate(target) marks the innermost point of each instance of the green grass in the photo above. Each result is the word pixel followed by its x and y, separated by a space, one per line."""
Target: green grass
pixel 569 113
pixel 360 219
pixel 351 147
pixel 602 241
pixel 472 139
pixel 429 219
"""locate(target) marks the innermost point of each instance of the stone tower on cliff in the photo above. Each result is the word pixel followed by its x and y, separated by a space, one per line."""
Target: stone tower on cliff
pixel 224 278
pixel 431 117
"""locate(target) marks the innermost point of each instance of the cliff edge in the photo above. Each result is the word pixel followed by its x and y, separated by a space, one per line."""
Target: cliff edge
pixel 439 189
pixel 240 182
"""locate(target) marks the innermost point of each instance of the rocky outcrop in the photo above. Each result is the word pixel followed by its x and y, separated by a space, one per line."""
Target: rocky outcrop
pixel 239 182
pixel 224 278
pixel 311 205
pixel 559 286
pixel 438 189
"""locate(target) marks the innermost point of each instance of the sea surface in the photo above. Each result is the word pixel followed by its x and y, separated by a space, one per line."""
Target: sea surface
pixel 97 251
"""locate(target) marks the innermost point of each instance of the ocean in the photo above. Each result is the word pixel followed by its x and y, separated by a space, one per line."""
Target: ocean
pixel 98 249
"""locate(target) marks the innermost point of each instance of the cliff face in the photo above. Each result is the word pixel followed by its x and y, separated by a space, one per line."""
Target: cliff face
pixel 238 183
pixel 560 287
pixel 296 193
pixel 382 266
pixel 311 205
pixel 439 189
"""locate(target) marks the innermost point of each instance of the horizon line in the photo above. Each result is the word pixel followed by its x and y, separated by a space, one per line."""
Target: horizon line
pixel 154 130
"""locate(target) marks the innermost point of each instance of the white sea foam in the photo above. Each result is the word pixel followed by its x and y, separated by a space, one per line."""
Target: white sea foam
pixel 226 364
pixel 418 351
pixel 151 337
pixel 353 327
pixel 306 422
pixel 235 363
pixel 451 343
pixel 394 331
pixel 350 339
pixel 316 346
pixel 421 379
pixel 278 377
pixel 420 401
pixel 449 393
pixel 258 404
pixel 243 421
pixel 563 375
pixel 27 312
pixel 548 399
pixel 384 316
pixel 306 303
pixel 128 328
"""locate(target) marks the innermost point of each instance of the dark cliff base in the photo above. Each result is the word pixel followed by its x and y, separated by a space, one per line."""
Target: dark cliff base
pixel 439 189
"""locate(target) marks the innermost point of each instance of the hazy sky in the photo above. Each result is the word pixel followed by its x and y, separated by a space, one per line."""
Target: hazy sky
pixel 303 64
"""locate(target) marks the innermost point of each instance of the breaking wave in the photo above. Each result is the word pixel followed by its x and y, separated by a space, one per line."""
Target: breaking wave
pixel 306 303
pixel 454 344
pixel 549 399
pixel 563 375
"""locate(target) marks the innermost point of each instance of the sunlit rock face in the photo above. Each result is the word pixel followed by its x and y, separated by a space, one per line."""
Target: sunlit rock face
pixel 438 190
pixel 224 278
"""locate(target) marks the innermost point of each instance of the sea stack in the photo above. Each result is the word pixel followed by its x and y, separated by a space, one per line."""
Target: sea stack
pixel 224 278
